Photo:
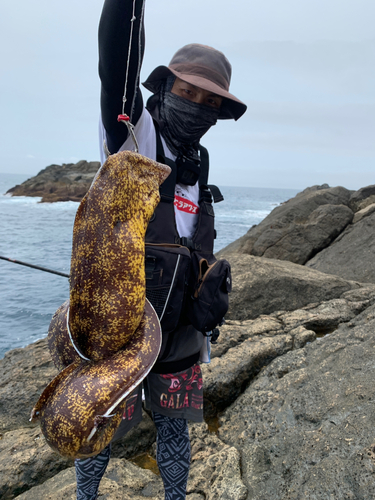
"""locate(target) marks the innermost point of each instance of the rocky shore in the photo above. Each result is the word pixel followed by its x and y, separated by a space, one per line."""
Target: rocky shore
pixel 67 182
pixel 289 394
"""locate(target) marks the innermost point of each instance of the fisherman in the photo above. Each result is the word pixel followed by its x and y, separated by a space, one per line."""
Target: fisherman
pixel 189 96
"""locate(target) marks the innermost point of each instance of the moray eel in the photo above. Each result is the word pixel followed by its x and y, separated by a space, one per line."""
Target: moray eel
pixel 107 336
pixel 107 276
pixel 82 407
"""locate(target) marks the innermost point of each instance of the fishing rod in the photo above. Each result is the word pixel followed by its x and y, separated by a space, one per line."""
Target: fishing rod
pixel 34 267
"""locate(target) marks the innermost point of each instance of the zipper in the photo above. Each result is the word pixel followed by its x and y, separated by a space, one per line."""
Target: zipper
pixel 170 288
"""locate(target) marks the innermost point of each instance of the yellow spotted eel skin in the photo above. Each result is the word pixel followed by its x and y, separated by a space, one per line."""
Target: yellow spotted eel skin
pixel 107 336
pixel 107 275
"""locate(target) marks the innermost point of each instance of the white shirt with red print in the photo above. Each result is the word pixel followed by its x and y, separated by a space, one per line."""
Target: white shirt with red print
pixel 186 197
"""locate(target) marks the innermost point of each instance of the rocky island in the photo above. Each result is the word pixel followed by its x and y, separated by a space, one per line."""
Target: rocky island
pixel 289 393
pixel 67 182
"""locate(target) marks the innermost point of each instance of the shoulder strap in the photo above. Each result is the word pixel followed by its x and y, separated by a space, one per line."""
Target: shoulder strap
pixel 168 187
pixel 203 178
pixel 216 193
pixel 205 165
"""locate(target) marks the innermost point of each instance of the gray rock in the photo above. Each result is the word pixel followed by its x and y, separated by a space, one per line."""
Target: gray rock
pixel 226 377
pixel 253 356
pixel 246 347
pixel 59 182
pixel 300 241
pixel 215 473
pixel 311 189
pixel 301 336
pixel 215 467
pixel 26 460
pixel 299 228
pixel 122 481
pixel 325 317
pixel 352 255
pixel 365 212
pixel 304 426
pixel 263 286
pixel 24 375
pixel 362 198
pixel 235 332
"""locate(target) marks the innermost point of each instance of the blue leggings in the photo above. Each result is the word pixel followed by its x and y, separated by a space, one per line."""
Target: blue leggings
pixel 89 472
pixel 172 455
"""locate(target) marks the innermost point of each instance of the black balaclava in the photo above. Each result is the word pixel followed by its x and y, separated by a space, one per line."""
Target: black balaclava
pixel 183 122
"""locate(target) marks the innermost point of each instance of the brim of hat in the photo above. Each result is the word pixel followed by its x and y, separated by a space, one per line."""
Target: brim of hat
pixel 231 107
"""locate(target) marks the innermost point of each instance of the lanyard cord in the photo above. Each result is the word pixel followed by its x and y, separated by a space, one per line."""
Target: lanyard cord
pixel 124 118
pixel 133 18
pixel 139 56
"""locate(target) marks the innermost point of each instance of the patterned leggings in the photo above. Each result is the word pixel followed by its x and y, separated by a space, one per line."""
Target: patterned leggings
pixel 89 472
pixel 172 455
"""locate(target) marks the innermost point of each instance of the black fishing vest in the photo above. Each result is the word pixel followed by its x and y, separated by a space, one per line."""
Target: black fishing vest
pixel 162 227
pixel 184 282
pixel 170 272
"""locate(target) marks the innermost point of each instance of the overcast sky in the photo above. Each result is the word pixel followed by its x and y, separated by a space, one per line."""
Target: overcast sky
pixel 306 70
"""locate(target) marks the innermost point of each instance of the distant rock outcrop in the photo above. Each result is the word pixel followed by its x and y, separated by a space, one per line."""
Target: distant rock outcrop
pixel 299 228
pixel 352 254
pixel 328 229
pixel 67 182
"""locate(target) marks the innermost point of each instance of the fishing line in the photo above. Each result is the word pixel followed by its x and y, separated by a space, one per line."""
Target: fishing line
pixel 39 268
pixel 139 57
pixel 124 118
pixel 124 98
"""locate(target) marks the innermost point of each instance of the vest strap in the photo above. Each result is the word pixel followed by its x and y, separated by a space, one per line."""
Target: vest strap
pixel 168 187
pixel 188 243
pixel 216 193
pixel 205 165
pixel 150 263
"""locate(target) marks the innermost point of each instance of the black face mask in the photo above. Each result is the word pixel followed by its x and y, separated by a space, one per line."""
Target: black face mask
pixel 182 124
pixel 185 122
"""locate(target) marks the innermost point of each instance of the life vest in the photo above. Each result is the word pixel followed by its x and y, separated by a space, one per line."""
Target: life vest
pixel 172 263
pixel 162 226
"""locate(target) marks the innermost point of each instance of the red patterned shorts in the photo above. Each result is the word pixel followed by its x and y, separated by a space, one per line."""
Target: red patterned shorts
pixel 176 395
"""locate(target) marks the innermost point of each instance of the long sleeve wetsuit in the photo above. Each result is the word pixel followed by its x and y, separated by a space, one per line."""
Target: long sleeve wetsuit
pixel 114 39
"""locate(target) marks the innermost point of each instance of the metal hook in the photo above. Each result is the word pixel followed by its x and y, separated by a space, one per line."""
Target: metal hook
pixel 125 119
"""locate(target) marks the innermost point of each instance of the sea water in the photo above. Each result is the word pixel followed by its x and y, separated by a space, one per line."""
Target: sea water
pixel 41 234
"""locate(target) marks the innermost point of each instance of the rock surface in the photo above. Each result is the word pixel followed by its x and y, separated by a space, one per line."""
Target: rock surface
pixel 300 227
pixel 352 254
pixel 24 375
pixel 26 460
pixel 362 198
pixel 215 473
pixel 67 182
pixel 289 394
pixel 327 229
pixel 122 481
pixel 246 350
pixel 262 286
pixel 305 425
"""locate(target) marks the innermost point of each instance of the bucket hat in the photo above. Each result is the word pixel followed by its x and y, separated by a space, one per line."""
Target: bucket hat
pixel 204 67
